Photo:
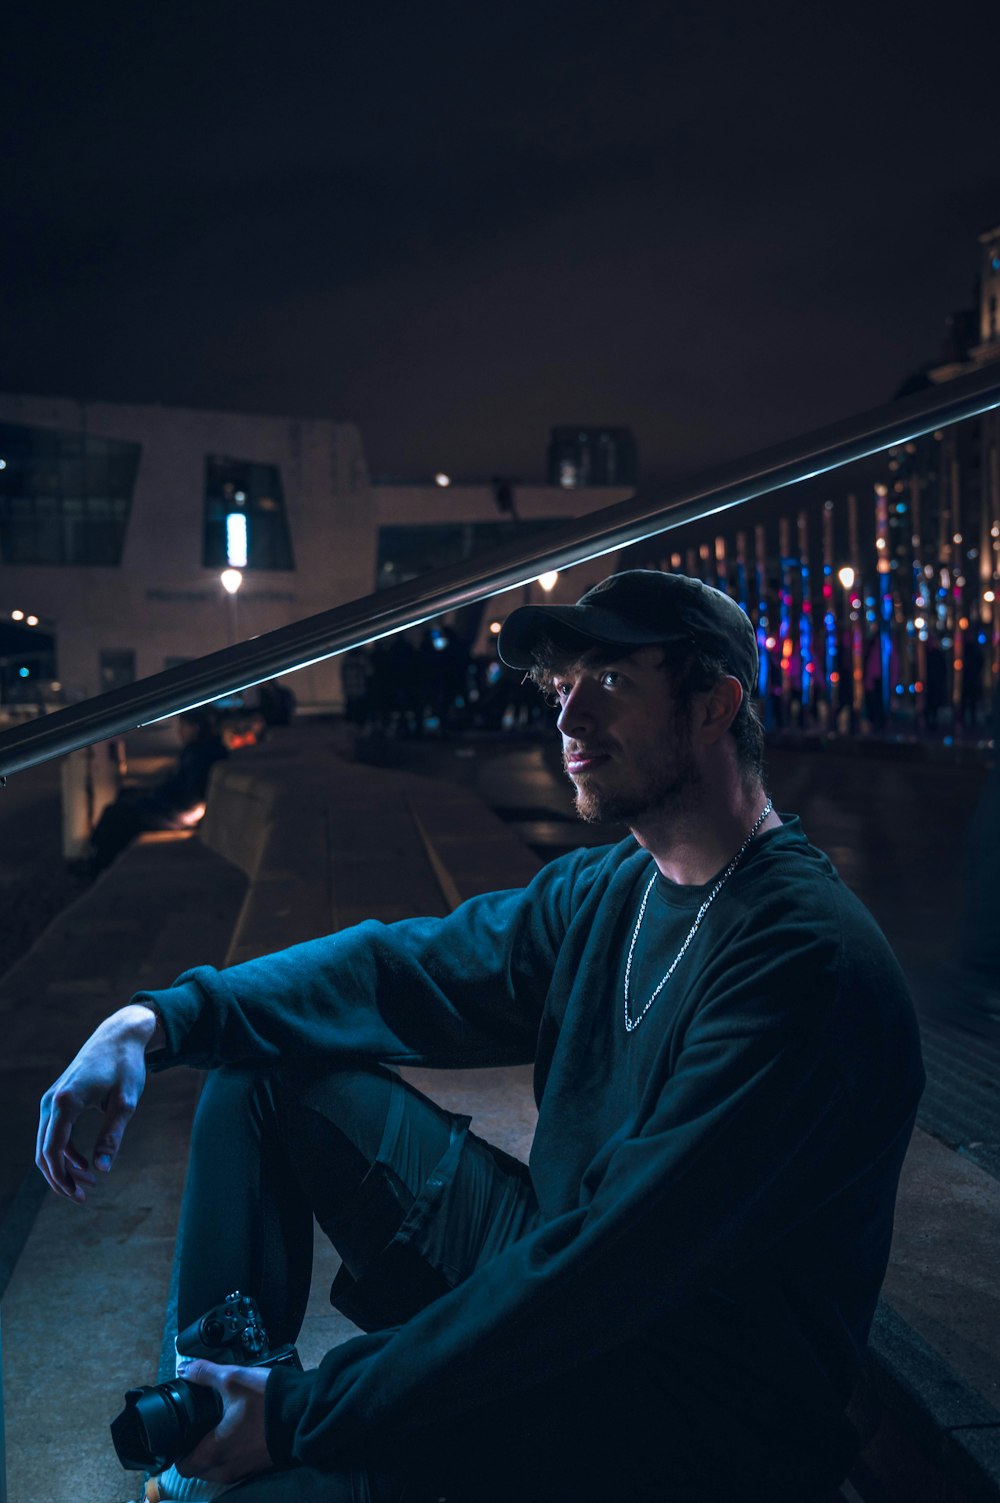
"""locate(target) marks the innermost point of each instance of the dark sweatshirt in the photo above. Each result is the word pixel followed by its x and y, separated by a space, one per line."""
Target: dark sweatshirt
pixel 716 1186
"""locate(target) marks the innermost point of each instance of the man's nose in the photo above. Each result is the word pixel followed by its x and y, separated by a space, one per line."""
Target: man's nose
pixel 577 715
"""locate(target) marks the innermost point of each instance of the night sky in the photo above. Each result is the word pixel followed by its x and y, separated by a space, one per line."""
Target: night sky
pixel 459 224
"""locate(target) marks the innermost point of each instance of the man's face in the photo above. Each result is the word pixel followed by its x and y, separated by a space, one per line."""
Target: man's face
pixel 626 747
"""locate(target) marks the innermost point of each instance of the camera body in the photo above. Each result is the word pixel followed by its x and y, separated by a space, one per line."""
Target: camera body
pixel 233 1332
pixel 159 1424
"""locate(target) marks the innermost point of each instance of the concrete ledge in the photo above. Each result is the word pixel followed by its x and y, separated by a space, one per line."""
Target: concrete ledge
pixel 933 1437
pixel 84 1287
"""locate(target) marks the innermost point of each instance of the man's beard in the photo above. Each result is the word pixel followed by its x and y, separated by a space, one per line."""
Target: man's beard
pixel 657 790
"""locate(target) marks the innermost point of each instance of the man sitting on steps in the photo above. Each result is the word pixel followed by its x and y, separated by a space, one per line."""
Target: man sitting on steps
pixel 672 1300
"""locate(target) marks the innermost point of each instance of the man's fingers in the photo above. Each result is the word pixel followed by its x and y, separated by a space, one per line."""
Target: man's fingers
pixel 109 1139
pixel 108 1074
pixel 58 1117
pixel 208 1374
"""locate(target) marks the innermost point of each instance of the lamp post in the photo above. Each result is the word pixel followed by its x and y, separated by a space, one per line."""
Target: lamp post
pixel 849 659
pixel 231 579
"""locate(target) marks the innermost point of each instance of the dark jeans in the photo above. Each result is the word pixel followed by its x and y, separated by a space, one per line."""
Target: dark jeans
pixel 361 1151
pixel 414 1203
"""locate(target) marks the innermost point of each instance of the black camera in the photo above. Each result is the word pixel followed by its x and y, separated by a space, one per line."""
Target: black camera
pixel 159 1424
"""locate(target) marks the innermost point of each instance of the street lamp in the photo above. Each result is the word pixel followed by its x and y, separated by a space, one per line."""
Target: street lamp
pixel 231 579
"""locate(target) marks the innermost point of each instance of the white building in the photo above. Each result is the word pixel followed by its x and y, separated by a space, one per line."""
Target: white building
pixel 116 522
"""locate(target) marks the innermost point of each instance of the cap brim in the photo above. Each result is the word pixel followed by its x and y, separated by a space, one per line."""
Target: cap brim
pixel 574 627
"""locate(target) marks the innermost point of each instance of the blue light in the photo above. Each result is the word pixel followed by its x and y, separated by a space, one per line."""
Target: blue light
pixel 24 673
pixel 236 540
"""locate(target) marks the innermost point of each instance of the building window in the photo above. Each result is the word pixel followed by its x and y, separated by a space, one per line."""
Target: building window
pixel 27 662
pixel 65 497
pixel 117 667
pixel 245 522
pixel 405 553
pixel 592 456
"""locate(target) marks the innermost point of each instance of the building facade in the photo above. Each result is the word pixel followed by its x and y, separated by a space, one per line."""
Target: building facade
pixel 118 521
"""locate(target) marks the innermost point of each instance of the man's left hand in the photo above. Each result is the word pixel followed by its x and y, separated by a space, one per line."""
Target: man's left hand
pixel 236 1447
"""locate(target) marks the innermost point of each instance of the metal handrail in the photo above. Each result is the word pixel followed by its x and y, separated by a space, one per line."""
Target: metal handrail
pixel 389 611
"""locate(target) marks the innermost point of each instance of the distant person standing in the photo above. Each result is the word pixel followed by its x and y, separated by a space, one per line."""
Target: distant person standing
pixel 355 674
pixel 872 670
pixel 937 680
pixel 972 675
pixel 277 703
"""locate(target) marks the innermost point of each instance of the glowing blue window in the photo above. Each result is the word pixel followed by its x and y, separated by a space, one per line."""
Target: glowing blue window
pixel 236 540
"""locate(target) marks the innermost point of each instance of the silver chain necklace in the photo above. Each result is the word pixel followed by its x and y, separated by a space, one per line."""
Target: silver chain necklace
pixel 631 1023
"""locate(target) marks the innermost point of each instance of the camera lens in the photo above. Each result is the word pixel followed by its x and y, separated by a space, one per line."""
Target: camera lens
pixel 159 1424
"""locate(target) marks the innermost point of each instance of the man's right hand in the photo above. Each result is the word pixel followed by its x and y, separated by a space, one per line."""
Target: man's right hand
pixel 107 1075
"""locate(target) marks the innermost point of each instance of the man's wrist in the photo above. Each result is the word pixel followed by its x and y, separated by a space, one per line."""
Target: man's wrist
pixel 145 1021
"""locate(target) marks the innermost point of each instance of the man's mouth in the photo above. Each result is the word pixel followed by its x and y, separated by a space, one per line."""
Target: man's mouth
pixel 578 761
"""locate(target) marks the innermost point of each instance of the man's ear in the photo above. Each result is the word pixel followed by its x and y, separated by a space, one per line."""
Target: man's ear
pixel 719 709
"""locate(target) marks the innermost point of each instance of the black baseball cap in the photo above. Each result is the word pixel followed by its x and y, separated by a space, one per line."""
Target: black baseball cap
pixel 638 608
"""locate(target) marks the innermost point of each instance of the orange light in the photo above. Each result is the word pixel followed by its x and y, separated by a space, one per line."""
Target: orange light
pixel 835 677
pixel 957 665
pixel 964 623
pixel 919 687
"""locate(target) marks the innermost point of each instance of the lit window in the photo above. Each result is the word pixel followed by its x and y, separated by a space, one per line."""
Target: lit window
pixel 236 540
pixel 245 521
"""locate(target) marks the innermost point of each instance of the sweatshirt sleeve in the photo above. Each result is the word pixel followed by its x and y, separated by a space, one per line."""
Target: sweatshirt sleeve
pixel 464 990
pixel 749 1134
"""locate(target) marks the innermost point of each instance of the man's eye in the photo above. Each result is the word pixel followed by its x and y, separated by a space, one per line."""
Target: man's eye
pixel 611 680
